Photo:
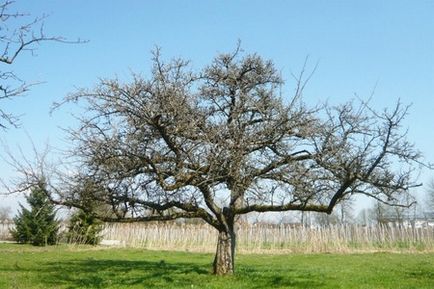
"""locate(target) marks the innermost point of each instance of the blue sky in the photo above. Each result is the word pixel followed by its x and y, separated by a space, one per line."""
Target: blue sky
pixel 359 45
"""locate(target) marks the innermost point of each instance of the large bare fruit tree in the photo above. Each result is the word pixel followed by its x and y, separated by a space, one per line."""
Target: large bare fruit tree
pixel 222 142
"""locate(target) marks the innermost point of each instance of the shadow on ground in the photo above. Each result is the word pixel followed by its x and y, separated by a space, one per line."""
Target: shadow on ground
pixel 118 273
pixel 279 277
pixel 105 273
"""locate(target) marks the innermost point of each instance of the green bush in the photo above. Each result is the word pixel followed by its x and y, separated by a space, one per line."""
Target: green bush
pixel 84 228
pixel 38 225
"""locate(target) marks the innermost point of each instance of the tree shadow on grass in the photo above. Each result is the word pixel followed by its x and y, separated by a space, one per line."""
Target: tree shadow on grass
pixel 106 273
pixel 118 273
pixel 278 278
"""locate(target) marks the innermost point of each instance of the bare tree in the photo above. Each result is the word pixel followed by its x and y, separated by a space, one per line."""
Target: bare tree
pixel 346 211
pixel 430 198
pixel 5 214
pixel 379 214
pixel 324 220
pixel 364 217
pixel 223 142
pixel 392 215
pixel 343 214
pixel 19 33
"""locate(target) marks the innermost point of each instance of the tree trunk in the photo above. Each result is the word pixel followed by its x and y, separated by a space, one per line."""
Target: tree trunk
pixel 225 254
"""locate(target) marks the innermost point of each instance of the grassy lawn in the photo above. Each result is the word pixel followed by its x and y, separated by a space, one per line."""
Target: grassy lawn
pixel 23 266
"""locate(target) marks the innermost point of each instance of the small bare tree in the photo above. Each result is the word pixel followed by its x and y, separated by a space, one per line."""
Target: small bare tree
pixel 430 197
pixel 19 33
pixel 223 142
pixel 346 211
pixel 379 214
pixel 5 214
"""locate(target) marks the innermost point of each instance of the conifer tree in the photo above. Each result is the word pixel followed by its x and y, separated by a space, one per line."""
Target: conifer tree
pixel 37 225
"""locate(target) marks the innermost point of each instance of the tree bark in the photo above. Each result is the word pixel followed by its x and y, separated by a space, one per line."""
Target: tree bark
pixel 225 254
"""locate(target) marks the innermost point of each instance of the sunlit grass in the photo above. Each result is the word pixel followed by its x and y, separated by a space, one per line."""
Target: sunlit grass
pixel 23 266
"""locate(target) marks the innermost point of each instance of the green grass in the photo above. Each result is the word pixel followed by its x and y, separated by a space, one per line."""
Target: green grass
pixel 23 266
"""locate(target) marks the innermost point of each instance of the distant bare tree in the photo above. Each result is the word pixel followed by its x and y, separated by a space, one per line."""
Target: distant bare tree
pixel 430 197
pixel 223 142
pixel 378 214
pixel 5 214
pixel 324 220
pixel 19 33
pixel 346 211
pixel 364 217
pixel 383 214
pixel 343 214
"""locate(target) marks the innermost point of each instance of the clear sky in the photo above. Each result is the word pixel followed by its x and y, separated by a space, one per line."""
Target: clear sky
pixel 360 45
